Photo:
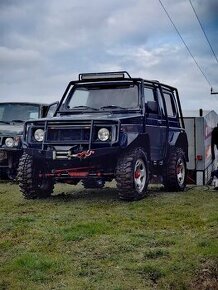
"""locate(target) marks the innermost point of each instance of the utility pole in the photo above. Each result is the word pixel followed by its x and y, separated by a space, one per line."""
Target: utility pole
pixel 212 92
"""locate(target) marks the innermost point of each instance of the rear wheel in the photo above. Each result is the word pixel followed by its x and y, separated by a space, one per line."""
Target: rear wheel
pixel 30 183
pixel 175 173
pixel 132 175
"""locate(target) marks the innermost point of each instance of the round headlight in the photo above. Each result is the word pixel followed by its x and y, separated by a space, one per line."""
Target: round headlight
pixel 39 135
pixel 9 142
pixel 103 134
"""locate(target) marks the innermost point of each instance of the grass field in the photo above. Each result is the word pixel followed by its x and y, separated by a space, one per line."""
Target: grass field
pixel 88 239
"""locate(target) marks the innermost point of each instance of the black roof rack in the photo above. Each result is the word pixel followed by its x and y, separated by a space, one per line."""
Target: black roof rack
pixel 104 75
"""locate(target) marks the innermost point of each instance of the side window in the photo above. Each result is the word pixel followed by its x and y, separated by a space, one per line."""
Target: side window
pixel 150 102
pixel 51 110
pixel 170 104
pixel 149 94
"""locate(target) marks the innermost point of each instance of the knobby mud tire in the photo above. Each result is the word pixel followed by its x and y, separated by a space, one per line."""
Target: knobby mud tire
pixel 29 182
pixel 174 180
pixel 126 175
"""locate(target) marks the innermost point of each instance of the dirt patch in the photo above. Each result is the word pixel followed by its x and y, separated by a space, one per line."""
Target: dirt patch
pixel 207 277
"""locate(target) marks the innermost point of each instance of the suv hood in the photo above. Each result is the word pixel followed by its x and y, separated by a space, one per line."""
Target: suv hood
pixel 95 116
pixel 11 129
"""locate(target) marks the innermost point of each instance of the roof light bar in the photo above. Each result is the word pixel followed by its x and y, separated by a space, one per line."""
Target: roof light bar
pixel 104 75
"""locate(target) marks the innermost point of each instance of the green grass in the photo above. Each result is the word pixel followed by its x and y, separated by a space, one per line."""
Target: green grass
pixel 88 239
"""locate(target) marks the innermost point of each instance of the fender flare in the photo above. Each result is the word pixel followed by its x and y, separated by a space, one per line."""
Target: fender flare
pixel 179 139
pixel 143 141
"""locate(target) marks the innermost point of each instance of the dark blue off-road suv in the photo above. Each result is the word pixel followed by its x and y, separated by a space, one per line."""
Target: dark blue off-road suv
pixel 107 126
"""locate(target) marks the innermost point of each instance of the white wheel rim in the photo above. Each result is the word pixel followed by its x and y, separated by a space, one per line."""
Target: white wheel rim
pixel 140 175
pixel 180 170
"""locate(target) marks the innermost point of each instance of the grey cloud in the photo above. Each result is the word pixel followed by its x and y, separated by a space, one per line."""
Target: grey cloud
pixel 22 57
pixel 44 44
pixel 207 8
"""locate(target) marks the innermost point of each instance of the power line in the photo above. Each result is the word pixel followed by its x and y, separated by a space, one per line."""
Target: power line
pixel 185 43
pixel 203 31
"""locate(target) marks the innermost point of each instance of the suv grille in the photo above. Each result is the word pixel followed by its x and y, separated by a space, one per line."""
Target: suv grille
pixel 68 134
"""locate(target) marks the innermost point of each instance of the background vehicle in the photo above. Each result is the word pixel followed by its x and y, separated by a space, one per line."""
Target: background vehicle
pixel 199 126
pixel 107 126
pixel 12 118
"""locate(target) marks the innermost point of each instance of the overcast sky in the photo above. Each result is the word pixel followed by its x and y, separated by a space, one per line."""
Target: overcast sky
pixel 46 43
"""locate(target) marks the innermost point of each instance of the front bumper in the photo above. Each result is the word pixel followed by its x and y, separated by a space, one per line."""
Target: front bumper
pixel 63 155
pixel 94 163
pixel 74 145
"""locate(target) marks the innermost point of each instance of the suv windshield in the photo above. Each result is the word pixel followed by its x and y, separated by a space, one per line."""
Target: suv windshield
pixel 18 112
pixel 122 96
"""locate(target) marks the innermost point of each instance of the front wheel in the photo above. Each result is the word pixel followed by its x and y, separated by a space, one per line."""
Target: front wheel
pixel 31 184
pixel 174 178
pixel 132 175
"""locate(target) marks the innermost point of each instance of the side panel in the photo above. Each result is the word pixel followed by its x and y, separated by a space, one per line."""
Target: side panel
pixel 190 131
pixel 156 129
pixel 199 132
pixel 200 142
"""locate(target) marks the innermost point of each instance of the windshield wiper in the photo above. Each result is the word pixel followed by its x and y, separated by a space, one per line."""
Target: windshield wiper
pixel 112 107
pixel 17 121
pixel 5 122
pixel 84 107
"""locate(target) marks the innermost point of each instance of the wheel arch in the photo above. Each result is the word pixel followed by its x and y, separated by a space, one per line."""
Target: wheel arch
pixel 180 140
pixel 142 141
